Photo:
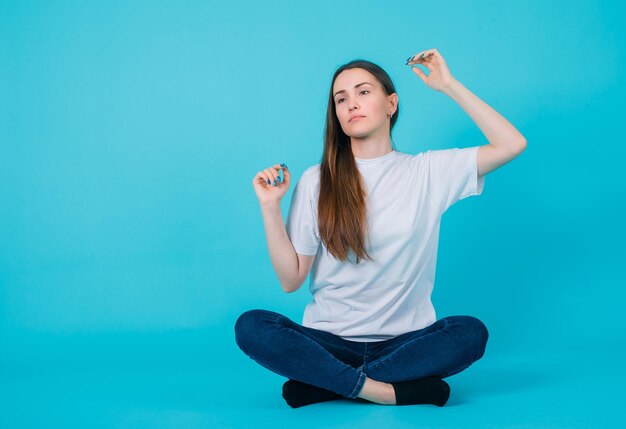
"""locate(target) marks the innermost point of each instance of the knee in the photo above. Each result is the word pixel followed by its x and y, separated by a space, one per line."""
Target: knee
pixel 477 335
pixel 248 326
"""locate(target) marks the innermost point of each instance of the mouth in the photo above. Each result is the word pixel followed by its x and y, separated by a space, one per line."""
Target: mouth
pixel 355 118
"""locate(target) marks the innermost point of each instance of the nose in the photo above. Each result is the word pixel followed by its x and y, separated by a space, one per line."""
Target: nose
pixel 352 105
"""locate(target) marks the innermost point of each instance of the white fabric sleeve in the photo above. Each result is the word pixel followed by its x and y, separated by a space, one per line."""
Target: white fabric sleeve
pixel 301 222
pixel 453 175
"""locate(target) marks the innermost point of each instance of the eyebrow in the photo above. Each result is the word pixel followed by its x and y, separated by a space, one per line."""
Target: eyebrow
pixel 356 86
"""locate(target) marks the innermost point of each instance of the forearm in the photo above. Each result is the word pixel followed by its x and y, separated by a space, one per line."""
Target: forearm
pixel 499 132
pixel 282 254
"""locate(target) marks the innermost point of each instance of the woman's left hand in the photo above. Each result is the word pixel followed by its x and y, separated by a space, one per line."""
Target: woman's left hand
pixel 439 77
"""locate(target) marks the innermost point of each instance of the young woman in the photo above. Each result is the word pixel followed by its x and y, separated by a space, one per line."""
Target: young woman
pixel 365 223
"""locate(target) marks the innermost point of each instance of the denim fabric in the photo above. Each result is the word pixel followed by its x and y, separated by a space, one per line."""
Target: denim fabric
pixel 322 359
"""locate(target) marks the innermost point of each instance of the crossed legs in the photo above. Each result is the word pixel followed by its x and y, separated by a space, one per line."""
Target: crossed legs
pixel 324 360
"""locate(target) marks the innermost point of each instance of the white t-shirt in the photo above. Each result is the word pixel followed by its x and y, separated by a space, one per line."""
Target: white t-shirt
pixel 378 300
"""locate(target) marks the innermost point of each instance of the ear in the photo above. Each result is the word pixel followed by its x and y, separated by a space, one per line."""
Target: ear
pixel 393 101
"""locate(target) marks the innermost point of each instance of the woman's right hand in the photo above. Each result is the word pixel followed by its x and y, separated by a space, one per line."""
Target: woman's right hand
pixel 264 187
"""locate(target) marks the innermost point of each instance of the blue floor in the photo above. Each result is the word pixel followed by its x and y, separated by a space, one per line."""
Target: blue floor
pixel 551 389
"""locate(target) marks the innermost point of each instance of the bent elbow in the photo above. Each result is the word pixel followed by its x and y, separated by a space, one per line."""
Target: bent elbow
pixel 290 289
pixel 519 147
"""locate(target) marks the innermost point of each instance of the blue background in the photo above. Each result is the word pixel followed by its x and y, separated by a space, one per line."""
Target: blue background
pixel 132 238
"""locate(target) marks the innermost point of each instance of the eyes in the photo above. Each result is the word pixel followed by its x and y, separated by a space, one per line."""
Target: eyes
pixel 339 100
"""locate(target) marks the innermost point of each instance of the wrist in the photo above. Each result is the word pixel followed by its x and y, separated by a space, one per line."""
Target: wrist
pixel 270 205
pixel 453 88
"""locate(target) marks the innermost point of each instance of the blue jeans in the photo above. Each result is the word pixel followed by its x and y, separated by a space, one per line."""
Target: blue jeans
pixel 325 360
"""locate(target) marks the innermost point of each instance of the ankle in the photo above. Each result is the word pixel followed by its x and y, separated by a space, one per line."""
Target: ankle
pixel 378 391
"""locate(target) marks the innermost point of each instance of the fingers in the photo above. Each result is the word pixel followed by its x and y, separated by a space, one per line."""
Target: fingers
pixel 260 179
pixel 423 57
pixel 286 174
pixel 420 73
pixel 419 57
pixel 271 177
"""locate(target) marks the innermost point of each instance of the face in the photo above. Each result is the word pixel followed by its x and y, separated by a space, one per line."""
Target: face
pixel 353 97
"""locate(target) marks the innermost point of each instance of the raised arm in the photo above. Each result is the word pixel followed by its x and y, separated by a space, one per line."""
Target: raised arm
pixel 505 142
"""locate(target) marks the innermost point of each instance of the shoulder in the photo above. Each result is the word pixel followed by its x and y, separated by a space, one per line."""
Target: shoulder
pixel 309 180
pixel 445 155
pixel 311 176
pixel 409 159
pixel 455 151
pixel 312 171
pixel 434 160
pixel 405 157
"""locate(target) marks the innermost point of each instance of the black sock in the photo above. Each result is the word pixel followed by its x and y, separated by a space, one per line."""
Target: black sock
pixel 429 390
pixel 298 394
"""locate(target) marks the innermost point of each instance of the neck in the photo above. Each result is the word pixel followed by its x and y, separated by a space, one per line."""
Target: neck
pixel 370 147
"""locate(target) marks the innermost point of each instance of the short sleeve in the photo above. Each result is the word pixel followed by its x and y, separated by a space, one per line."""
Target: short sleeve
pixel 453 175
pixel 301 222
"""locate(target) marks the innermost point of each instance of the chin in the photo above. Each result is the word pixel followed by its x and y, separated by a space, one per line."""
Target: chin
pixel 361 131
pixel 359 135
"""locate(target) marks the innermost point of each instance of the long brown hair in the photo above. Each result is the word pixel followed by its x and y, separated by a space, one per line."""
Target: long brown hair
pixel 342 213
